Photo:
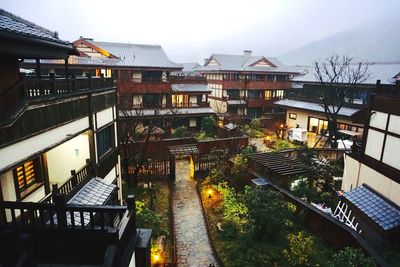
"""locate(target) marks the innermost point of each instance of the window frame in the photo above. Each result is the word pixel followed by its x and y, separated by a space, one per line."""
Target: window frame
pixel 111 142
pixel 38 180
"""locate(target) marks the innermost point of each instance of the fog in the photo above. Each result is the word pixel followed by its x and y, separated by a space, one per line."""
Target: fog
pixel 192 30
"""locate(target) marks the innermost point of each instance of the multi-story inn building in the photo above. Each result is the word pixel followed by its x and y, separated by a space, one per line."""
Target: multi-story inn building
pixel 145 85
pixel 305 111
pixel 246 85
pixel 59 162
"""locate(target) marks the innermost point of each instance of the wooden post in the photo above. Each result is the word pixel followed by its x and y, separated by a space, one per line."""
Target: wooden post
pixel 59 200
pixel 74 179
pixel 131 205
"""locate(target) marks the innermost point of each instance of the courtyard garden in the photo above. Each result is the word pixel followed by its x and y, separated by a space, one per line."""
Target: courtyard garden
pixel 251 226
pixel 153 208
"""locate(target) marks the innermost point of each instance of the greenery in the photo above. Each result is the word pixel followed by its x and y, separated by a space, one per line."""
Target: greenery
pixel 254 129
pixel 259 224
pixel 159 217
pixel 208 125
pixel 300 250
pixel 283 144
pixel 180 132
pixel 351 257
pixel 268 211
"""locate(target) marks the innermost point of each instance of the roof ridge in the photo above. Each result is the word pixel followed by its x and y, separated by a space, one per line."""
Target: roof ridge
pixel 22 20
pixel 119 43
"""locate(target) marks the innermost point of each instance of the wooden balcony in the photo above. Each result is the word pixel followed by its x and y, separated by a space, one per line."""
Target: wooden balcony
pixel 60 233
pixel 74 182
pixel 230 84
pixel 188 79
pixel 32 88
pixel 256 103
pixel 267 85
pixel 144 86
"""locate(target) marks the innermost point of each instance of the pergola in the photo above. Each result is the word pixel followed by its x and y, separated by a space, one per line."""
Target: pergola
pixel 279 164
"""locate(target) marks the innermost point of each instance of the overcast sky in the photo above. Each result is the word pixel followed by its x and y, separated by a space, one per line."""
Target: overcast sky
pixel 192 30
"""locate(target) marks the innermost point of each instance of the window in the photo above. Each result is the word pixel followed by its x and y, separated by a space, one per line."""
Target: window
pixel 279 94
pixel 27 177
pixel 268 94
pixel 292 116
pixel 105 140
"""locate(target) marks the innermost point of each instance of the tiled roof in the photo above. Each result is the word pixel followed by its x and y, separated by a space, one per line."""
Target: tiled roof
pixel 16 25
pixel 344 111
pixel 137 55
pixel 190 88
pixel 190 67
pixel 245 63
pixel 236 102
pixel 166 112
pixel 385 214
pixel 95 192
pixel 384 72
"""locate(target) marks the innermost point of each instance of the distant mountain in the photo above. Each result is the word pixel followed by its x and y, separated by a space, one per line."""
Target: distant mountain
pixel 376 41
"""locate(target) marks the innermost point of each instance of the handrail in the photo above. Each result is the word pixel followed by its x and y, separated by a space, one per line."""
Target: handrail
pixel 59 215
pixel 30 88
pixel 76 178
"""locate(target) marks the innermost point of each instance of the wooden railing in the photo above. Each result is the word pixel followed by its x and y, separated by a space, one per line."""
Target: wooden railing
pixel 28 88
pixel 60 215
pixel 76 178
pixel 72 182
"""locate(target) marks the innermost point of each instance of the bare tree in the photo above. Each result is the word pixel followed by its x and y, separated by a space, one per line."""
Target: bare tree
pixel 136 138
pixel 338 78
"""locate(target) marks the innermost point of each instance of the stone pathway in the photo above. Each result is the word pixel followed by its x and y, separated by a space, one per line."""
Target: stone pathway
pixel 192 244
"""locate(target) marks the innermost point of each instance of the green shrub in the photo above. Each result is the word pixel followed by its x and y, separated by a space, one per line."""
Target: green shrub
pixel 268 211
pixel 146 218
pixel 181 131
pixel 351 257
pixel 208 125
pixel 300 250
pixel 326 198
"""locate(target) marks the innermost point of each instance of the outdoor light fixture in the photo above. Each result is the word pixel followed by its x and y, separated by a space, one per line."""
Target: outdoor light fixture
pixel 281 125
pixel 209 193
pixel 156 258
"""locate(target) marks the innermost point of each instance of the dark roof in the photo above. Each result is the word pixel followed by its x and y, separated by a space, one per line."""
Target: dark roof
pixel 181 150
pixel 278 163
pixel 95 192
pixel 378 209
pixel 13 24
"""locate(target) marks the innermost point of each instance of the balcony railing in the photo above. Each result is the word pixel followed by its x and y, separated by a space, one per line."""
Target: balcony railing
pixel 76 178
pixel 60 215
pixel 172 106
pixel 28 88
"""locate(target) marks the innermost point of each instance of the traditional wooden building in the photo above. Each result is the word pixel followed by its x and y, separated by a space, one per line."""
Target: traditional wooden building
pixel 145 83
pixel 371 179
pixel 59 162
pixel 246 85
pixel 303 109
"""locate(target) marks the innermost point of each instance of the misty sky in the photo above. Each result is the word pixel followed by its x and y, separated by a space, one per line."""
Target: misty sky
pixel 192 30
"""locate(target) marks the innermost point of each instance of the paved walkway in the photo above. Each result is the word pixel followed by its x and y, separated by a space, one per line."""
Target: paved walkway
pixel 192 244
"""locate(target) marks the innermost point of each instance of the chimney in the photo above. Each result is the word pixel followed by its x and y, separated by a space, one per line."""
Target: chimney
pixel 247 53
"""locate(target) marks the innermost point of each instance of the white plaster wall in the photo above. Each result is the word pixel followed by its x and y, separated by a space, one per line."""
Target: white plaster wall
pixel 374 144
pixel 391 154
pixel 350 173
pixel 104 117
pixel 110 177
pixel 218 106
pixel 7 186
pixel 380 183
pixel 301 120
pixel 394 124
pixel 17 152
pixel 68 156
pixel 378 119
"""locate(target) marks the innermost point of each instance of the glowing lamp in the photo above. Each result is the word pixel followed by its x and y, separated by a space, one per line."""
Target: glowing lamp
pixel 156 258
pixel 209 193
pixel 281 125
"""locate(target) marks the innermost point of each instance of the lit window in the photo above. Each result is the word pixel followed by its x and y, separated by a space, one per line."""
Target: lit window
pixel 268 95
pixel 292 116
pixel 27 176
